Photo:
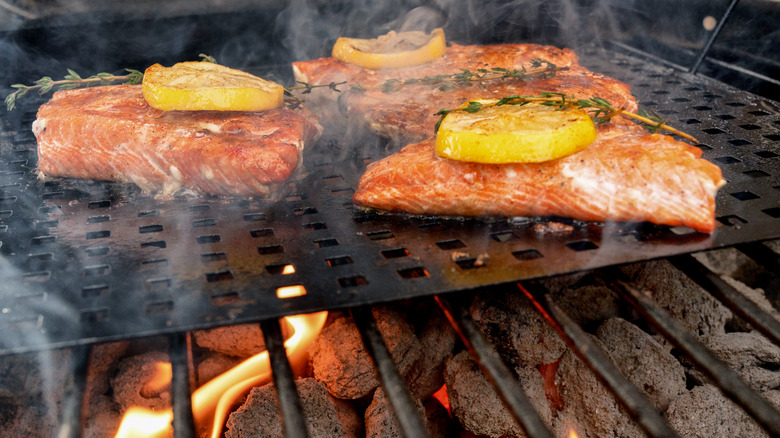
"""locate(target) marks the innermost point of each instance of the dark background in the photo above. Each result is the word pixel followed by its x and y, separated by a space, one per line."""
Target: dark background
pixel 44 38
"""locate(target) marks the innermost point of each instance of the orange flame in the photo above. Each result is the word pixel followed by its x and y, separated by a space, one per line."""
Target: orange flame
pixel 212 402
pixel 141 422
pixel 573 434
pixel 160 382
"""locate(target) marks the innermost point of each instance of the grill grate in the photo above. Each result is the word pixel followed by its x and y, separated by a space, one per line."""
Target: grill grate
pixel 91 261
pixel 455 306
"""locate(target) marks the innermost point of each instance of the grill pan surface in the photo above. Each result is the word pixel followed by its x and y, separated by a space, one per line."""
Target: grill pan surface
pixel 86 261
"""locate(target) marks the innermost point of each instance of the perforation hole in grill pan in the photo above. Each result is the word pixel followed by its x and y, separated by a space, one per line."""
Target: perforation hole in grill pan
pixel 88 261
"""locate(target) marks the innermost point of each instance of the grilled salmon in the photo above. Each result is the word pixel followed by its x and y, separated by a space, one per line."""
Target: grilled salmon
pixel 111 133
pixel 626 175
pixel 456 58
pixel 407 113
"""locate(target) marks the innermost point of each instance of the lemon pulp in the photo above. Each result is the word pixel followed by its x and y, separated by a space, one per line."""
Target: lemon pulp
pixel 528 133
pixel 392 50
pixel 195 86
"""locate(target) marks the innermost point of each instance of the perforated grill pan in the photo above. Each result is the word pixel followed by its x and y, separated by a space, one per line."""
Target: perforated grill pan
pixel 86 261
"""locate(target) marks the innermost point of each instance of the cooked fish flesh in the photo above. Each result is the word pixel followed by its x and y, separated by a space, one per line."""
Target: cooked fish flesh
pixel 111 133
pixel 626 175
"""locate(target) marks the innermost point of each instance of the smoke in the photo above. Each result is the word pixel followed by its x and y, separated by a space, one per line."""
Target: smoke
pixel 90 36
pixel 308 28
pixel 24 302
pixel 22 328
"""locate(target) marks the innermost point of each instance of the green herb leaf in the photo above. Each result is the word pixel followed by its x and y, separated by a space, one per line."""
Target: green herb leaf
pixel 207 58
pixel 72 75
pixel 442 113
pixel 134 76
pixel 473 107
pixel 43 81
pixel 334 86
pixel 10 101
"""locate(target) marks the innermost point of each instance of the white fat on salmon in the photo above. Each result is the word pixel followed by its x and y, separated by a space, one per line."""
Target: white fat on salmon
pixel 210 127
pixel 175 173
pixel 207 172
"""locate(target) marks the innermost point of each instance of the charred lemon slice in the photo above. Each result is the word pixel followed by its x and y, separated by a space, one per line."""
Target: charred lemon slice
pixel 196 86
pixel 392 50
pixel 528 133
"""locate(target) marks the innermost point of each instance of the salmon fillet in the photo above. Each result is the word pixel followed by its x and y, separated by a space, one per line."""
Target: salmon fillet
pixel 407 114
pixel 456 57
pixel 111 133
pixel 627 174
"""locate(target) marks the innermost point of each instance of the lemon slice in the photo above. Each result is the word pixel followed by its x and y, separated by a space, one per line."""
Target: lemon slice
pixel 392 50
pixel 196 86
pixel 528 133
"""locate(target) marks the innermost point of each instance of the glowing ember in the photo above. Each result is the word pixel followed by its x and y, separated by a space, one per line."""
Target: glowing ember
pixel 442 397
pixel 573 434
pixel 290 291
pixel 288 269
pixel 160 382
pixel 212 402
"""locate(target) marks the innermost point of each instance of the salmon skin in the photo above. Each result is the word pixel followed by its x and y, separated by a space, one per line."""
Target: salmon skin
pixel 626 175
pixel 407 113
pixel 111 133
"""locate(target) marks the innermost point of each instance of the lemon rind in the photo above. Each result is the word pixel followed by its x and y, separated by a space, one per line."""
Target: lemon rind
pixel 462 142
pixel 434 48
pixel 200 87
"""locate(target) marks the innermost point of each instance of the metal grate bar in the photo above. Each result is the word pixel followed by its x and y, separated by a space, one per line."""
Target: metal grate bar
pixel 290 402
pixel 769 260
pixel 183 422
pixel 732 298
pixel 401 401
pixel 70 426
pixel 713 37
pixel 505 384
pixel 721 375
pixel 636 404
pixel 762 255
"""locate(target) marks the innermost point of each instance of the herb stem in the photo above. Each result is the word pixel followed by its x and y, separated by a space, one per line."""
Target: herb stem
pixel 72 80
pixel 538 68
pixel 600 110
pixel 655 123
pixel 86 82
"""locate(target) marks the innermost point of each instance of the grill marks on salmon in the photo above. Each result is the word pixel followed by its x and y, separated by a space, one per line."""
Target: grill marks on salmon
pixel 626 175
pixel 111 133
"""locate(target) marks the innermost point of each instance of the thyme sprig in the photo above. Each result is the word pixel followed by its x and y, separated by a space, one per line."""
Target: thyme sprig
pixel 292 101
pixel 599 110
pixel 71 80
pixel 538 68
pixel 74 80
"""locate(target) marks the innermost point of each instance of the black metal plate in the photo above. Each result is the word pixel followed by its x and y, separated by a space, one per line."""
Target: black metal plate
pixel 89 261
